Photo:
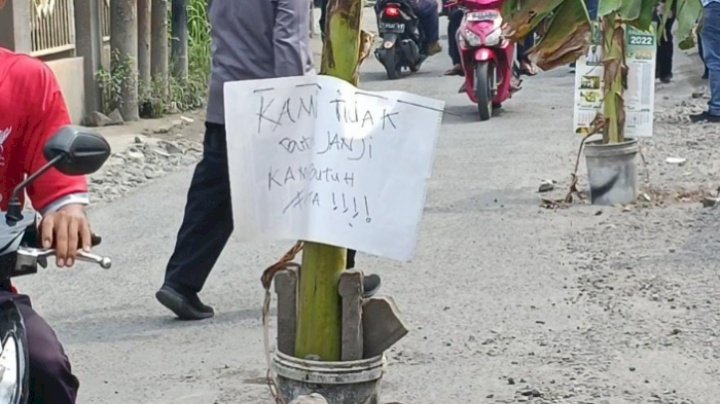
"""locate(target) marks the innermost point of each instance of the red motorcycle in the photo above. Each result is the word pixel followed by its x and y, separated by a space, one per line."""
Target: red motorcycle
pixel 487 57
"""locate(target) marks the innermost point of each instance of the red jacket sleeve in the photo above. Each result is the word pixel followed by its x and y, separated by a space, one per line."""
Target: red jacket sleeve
pixel 47 114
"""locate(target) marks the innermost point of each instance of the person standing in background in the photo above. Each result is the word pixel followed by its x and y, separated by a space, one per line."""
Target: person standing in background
pixel 665 48
pixel 525 65
pixel 711 52
pixel 323 4
pixel 455 16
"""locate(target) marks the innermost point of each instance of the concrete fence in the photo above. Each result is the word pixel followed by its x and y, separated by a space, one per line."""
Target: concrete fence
pixel 105 19
pixel 69 35
pixel 52 27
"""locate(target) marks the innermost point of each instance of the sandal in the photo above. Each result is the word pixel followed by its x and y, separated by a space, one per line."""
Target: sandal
pixel 456 70
pixel 528 69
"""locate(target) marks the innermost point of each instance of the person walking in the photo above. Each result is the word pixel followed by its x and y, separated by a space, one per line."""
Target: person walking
pixel 252 39
pixel 711 53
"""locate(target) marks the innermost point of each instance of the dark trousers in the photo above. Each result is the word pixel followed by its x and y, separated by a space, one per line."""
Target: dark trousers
pixel 702 57
pixel 427 12
pixel 524 47
pixel 592 6
pixel 51 378
pixel 711 52
pixel 665 50
pixel 323 16
pixel 208 220
pixel 454 21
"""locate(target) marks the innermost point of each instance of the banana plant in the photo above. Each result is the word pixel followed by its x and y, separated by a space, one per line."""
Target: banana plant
pixel 319 322
pixel 565 29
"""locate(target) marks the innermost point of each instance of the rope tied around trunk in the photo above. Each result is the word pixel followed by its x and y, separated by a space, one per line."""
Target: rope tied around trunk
pixel 266 279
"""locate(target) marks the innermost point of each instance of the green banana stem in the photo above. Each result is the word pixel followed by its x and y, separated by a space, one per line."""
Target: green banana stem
pixel 319 324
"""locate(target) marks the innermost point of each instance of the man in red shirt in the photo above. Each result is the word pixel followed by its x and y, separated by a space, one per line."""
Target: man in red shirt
pixel 32 110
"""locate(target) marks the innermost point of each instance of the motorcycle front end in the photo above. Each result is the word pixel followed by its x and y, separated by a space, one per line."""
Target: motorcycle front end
pixel 486 59
pixel 72 152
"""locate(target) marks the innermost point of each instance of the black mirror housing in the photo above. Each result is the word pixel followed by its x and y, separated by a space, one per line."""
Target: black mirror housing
pixel 80 152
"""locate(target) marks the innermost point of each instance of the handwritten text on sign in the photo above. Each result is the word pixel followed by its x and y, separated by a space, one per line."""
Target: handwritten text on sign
pixel 314 158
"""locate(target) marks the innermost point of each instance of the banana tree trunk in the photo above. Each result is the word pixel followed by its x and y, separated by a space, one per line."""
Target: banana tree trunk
pixel 319 318
pixel 319 307
pixel 615 78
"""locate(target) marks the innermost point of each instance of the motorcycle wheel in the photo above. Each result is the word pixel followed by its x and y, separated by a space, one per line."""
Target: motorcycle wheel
pixel 14 380
pixel 416 67
pixel 392 64
pixel 483 89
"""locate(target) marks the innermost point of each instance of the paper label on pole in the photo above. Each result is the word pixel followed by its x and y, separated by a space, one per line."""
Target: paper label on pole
pixel 314 158
pixel 640 50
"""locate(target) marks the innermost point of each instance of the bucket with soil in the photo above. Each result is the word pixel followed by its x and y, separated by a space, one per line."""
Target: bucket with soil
pixel 612 173
pixel 347 382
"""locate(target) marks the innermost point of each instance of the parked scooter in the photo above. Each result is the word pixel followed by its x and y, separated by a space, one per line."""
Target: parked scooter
pixel 402 37
pixel 72 152
pixel 487 57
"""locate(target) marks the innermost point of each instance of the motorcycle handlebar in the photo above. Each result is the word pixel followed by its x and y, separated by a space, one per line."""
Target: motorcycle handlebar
pixel 41 255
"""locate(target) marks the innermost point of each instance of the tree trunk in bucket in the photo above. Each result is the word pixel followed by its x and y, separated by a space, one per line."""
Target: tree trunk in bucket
pixel 319 327
pixel 615 78
pixel 611 163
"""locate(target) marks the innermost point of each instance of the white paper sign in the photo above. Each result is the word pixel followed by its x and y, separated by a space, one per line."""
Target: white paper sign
pixel 314 158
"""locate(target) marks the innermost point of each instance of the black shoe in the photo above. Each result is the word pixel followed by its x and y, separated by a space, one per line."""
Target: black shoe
pixel 705 117
pixel 666 79
pixel 187 306
pixel 371 285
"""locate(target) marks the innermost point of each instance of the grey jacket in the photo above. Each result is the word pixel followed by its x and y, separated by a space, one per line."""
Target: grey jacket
pixel 256 39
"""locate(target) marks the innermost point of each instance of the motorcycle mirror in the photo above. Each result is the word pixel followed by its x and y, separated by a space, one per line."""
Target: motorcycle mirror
pixel 78 151
pixel 72 151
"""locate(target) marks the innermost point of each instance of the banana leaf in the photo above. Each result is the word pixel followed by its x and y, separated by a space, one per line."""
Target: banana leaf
pixel 645 18
pixel 567 36
pixel 689 13
pixel 523 16
pixel 630 9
